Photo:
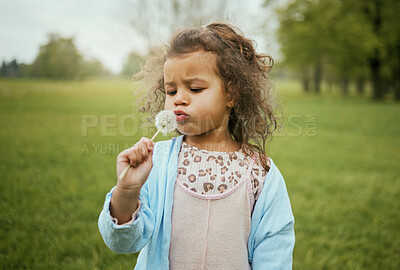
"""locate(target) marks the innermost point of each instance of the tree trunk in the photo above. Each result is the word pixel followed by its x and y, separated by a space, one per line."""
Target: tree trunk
pixel 386 85
pixel 396 86
pixel 318 77
pixel 397 91
pixel 375 68
pixel 396 72
pixel 345 85
pixel 330 86
pixel 306 84
pixel 360 85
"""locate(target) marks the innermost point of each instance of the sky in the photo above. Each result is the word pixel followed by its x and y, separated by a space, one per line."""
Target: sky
pixel 98 26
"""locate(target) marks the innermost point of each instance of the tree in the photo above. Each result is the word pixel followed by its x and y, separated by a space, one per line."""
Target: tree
pixel 351 41
pixel 58 59
pixel 156 19
pixel 132 64
pixel 13 69
pixel 384 62
pixel 93 67
pixel 347 37
pixel 3 69
pixel 304 38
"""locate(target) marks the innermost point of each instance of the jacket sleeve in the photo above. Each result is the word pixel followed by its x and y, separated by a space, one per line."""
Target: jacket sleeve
pixel 273 237
pixel 127 238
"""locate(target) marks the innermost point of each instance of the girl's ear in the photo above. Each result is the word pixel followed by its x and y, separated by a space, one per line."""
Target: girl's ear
pixel 231 98
pixel 231 103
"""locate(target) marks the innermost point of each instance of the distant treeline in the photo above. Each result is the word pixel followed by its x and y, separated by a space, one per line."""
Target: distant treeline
pixel 13 70
pixel 58 59
pixel 343 42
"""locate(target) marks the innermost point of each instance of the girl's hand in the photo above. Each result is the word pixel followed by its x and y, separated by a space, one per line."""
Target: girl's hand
pixel 140 156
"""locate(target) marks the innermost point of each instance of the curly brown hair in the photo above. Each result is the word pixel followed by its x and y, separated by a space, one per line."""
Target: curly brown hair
pixel 243 71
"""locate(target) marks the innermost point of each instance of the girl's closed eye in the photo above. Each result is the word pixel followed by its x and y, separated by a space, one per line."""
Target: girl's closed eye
pixel 171 93
pixel 196 89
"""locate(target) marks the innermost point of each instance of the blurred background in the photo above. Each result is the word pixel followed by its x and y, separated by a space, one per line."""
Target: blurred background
pixel 67 108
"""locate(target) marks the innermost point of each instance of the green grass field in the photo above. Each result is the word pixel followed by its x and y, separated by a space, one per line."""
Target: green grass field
pixel 59 141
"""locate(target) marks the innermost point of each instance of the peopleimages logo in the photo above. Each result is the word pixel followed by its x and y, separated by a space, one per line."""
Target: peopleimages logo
pixel 134 126
pixel 302 125
pixel 111 125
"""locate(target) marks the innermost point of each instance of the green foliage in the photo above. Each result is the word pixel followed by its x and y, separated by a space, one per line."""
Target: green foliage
pixel 324 31
pixel 302 33
pixel 132 65
pixel 349 38
pixel 94 67
pixel 58 59
pixel 13 69
pixel 339 158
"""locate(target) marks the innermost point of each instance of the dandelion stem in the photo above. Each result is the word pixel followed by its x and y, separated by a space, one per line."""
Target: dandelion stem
pixel 129 165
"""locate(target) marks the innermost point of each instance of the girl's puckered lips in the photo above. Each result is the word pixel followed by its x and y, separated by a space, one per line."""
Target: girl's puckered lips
pixel 181 115
pixel 180 112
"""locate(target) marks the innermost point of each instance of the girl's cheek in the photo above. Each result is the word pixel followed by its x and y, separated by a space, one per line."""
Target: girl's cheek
pixel 166 104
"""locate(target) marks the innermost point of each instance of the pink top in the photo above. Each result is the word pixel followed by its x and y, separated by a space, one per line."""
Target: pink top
pixel 213 200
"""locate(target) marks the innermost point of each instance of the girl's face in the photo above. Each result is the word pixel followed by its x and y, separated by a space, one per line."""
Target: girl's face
pixel 193 88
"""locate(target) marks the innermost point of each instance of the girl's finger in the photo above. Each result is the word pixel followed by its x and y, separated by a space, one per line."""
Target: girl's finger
pixel 136 155
pixel 150 144
pixel 144 151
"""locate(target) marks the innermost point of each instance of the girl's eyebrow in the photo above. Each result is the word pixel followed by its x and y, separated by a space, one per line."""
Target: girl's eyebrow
pixel 169 83
pixel 186 81
pixel 194 79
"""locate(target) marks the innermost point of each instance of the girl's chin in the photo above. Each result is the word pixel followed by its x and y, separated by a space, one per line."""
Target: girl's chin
pixel 192 133
pixel 187 131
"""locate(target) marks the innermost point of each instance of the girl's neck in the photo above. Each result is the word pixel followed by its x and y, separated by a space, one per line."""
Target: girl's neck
pixel 221 144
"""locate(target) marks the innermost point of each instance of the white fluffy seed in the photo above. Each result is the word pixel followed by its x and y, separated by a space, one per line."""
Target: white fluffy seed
pixel 166 121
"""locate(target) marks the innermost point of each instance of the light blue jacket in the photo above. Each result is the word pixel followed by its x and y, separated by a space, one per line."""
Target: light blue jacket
pixel 271 240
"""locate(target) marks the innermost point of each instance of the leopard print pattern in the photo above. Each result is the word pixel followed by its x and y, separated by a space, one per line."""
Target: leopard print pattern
pixel 211 172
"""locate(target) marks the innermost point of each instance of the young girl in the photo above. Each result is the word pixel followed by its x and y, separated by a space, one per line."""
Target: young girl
pixel 208 198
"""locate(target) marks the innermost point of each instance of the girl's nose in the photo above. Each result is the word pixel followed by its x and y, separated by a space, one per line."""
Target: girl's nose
pixel 181 98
